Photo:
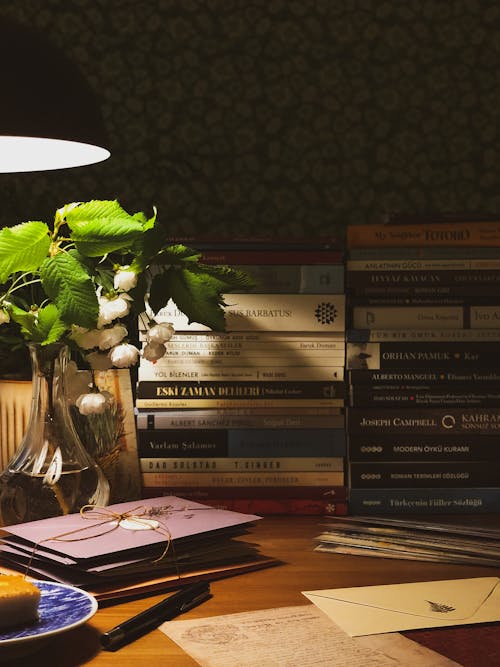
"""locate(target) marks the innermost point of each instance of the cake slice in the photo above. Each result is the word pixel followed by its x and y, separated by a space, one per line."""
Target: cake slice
pixel 19 600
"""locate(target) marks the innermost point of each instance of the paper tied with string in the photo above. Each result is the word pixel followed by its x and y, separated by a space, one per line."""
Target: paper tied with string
pixel 103 520
pixel 107 532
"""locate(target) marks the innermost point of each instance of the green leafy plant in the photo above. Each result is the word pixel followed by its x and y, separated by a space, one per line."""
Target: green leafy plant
pixel 57 280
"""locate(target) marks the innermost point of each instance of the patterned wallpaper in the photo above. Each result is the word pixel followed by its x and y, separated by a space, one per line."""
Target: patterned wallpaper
pixel 289 117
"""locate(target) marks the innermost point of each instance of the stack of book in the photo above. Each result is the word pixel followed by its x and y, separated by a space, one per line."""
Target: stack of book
pixel 252 419
pixel 423 369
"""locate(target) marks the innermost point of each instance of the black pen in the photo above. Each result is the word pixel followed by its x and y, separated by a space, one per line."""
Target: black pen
pixel 151 618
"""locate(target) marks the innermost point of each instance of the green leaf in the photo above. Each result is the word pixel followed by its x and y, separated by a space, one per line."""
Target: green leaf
pixel 49 326
pixel 197 290
pixel 25 319
pixel 230 279
pixel 94 210
pixel 196 295
pixel 23 248
pixel 67 283
pixel 101 227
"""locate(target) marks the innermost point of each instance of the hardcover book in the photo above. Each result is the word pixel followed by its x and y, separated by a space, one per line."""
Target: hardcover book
pixel 242 442
pixel 434 500
pixel 409 447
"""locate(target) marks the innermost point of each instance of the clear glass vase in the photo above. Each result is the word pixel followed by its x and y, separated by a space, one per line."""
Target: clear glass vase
pixel 50 473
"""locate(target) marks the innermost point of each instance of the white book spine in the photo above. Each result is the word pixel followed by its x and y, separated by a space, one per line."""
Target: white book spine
pixel 200 372
pixel 270 312
pixel 201 403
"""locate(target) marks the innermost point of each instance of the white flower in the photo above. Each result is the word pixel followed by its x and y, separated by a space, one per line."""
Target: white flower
pixel 124 355
pixel 125 279
pixel 85 338
pixel 160 333
pixel 91 404
pixel 153 351
pixel 111 309
pixel 99 361
pixel 111 336
pixel 4 316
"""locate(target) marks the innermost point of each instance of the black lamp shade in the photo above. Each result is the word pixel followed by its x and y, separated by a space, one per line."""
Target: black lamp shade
pixel 49 115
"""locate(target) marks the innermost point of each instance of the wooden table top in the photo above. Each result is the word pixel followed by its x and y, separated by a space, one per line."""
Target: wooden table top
pixel 287 538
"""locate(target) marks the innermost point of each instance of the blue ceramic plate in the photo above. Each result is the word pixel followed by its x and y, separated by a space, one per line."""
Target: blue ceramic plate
pixel 61 608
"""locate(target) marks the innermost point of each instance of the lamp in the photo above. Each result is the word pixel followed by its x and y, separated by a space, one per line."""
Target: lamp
pixel 49 117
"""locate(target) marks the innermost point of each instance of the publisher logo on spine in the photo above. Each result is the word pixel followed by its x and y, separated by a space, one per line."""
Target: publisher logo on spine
pixel 325 313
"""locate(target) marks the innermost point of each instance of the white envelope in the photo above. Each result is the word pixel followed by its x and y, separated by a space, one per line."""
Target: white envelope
pixel 369 610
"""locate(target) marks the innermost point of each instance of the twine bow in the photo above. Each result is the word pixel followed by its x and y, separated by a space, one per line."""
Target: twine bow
pixel 111 520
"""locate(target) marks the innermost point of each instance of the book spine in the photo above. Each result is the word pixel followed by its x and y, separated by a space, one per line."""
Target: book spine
pixel 303 339
pixel 283 506
pixel 256 257
pixel 409 447
pixel 435 500
pixel 216 403
pixel 272 312
pixel 253 410
pixel 421 335
pixel 401 269
pixel 241 464
pixel 259 243
pixel 197 420
pixel 456 234
pixel 223 363
pixel 397 355
pixel 400 253
pixel 380 378
pixel 326 343
pixel 262 479
pixel 409 317
pixel 412 474
pixel 485 395
pixel 413 281
pixel 327 494
pixel 183 443
pixel 424 297
pixel 261 389
pixel 200 372
pixel 294 278
pixel 427 421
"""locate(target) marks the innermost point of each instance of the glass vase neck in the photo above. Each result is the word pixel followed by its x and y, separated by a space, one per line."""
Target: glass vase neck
pixel 50 473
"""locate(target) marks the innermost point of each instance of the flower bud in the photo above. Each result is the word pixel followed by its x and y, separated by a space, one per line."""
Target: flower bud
pixel 91 404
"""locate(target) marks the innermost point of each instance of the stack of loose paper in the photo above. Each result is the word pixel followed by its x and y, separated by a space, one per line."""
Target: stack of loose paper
pixel 424 540
pixel 134 548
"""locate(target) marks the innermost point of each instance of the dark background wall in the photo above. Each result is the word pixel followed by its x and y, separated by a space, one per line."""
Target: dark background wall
pixel 289 117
